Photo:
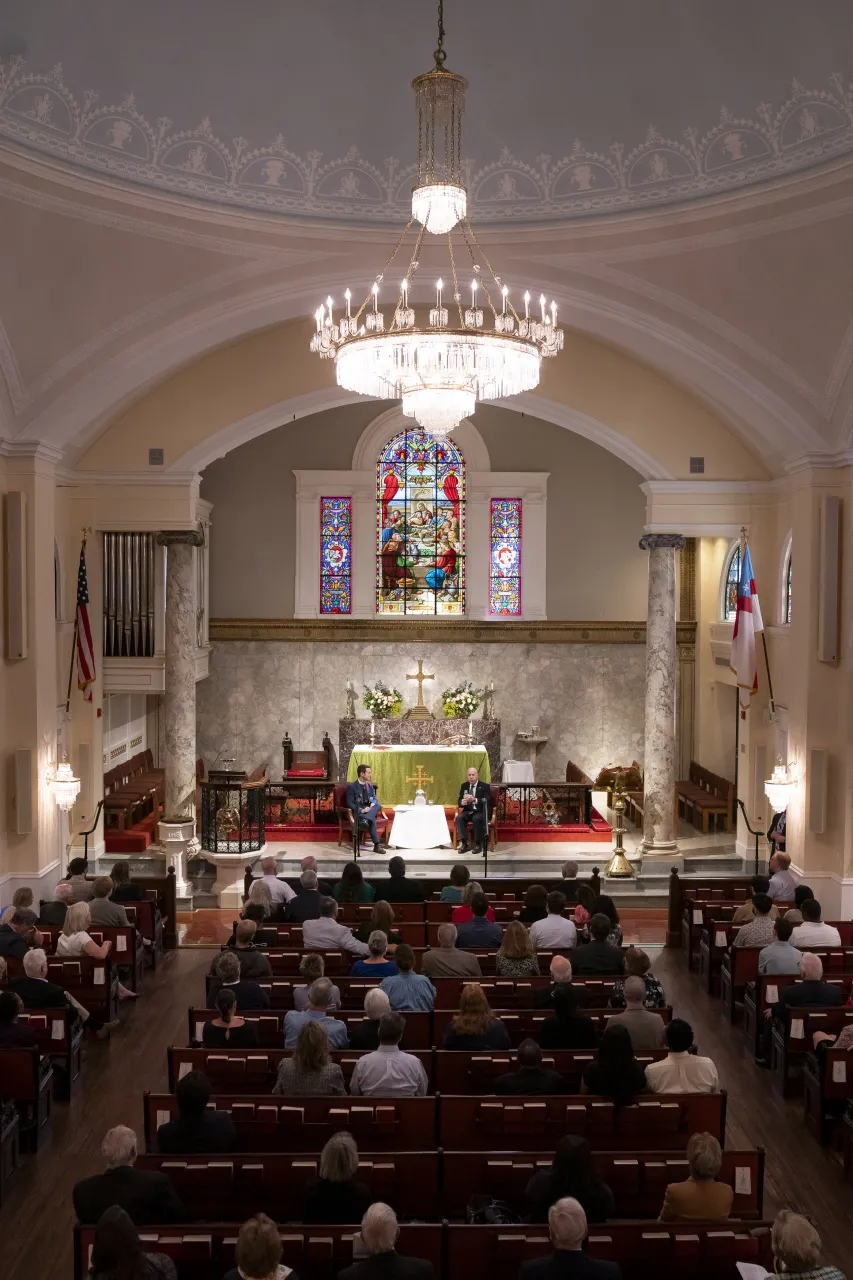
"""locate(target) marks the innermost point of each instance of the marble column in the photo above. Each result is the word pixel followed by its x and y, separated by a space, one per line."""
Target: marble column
pixel 659 825
pixel 179 703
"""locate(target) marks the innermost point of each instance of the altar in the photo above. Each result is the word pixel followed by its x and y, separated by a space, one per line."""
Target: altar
pixel 398 771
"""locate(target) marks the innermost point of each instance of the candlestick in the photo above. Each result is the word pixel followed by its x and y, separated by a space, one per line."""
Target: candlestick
pixel 527 305
pixel 473 293
pixel 372 733
pixel 375 295
pixel 504 291
pixel 347 295
pixel 438 288
pixel 329 305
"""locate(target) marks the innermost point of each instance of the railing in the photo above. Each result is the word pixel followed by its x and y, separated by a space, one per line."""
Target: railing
pixel 233 816
pixel 544 804
pixel 300 804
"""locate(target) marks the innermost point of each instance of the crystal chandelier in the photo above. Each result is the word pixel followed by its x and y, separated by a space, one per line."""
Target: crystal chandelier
pixel 64 785
pixel 465 352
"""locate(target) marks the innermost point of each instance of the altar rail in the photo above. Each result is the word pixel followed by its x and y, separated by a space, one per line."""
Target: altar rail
pixel 233 816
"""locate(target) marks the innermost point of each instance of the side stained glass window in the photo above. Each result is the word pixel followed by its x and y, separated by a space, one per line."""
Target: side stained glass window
pixel 732 582
pixel 420 526
pixel 505 557
pixel 336 555
pixel 786 612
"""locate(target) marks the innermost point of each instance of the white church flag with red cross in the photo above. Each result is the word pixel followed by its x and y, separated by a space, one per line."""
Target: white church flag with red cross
pixel 748 624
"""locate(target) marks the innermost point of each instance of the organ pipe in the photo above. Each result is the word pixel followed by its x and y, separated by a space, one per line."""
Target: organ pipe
pixel 128 595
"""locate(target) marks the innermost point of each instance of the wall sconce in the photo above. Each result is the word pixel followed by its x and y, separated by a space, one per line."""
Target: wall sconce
pixel 64 785
pixel 780 786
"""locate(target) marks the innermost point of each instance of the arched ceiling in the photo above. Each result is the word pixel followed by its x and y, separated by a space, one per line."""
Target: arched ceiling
pixel 575 106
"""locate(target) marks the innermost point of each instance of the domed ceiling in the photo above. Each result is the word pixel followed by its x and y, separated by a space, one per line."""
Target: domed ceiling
pixel 576 107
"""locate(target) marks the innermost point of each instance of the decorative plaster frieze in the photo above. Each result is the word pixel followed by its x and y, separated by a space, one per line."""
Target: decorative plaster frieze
pixel 372 630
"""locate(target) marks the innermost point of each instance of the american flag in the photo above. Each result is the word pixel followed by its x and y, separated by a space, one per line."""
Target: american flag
pixel 85 651
pixel 748 624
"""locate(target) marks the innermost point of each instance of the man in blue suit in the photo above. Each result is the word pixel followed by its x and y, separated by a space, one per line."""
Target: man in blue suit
pixel 364 806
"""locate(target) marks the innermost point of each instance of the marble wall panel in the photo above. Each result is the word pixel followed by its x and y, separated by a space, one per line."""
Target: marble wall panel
pixel 587 699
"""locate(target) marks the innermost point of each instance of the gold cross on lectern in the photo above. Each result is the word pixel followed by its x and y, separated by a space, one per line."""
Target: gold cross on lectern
pixel 420 677
pixel 420 777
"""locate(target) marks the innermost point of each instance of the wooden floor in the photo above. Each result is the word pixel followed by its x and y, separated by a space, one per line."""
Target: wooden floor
pixel 36 1224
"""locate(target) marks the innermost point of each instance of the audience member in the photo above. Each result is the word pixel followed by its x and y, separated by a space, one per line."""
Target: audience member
pixel 567 1228
pixel 381 918
pixel 309 863
pixel 585 900
pixel 75 940
pixel 463 913
pixel 599 955
pixel 446 960
pixel 22 900
pixel 14 1034
pixel 573 1174
pixel 312 967
pixel 479 931
pixel 260 898
pixel 117 1252
pixel 746 911
pixel 145 1194
pixel 249 994
pixel 813 932
pixel 377 964
pixel 813 990
pixel 605 906
pixel 124 890
pixel 516 957
pixel 325 934
pixel 352 886
pixel 365 1035
pixel 103 913
pixel 254 961
pixel 569 883
pixel 81 888
pixel 280 891
pixel 258 1252
pixel 644 1027
pixel 759 931
pixel 197 1128
pixel 638 964
pixel 379 1231
pixel 530 1077
pixel 561 977
pixel 310 1070
pixel 305 903
pixel 797 1249
pixel 475 1026
pixel 781 956
pixel 615 1073
pixel 335 1196
pixel 317 1010
pixel 228 1030
pixel 795 913
pixel 459 877
pixel 822 1040
pixel 782 883
pixel 556 930
pixel 37 993
pixel 388 1072
pixel 535 905
pixel 568 1029
pixel 680 1071
pixel 701 1198
pixel 398 887
pixel 53 913
pixel 18 936
pixel 407 989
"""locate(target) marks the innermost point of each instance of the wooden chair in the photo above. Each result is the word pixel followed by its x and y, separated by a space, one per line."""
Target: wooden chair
pixel 345 823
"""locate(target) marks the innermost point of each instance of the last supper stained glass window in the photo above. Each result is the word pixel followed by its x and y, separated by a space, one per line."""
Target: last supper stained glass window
pixel 505 557
pixel 420 537
pixel 336 555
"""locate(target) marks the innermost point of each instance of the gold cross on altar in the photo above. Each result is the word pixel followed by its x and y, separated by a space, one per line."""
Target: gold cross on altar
pixel 420 777
pixel 420 677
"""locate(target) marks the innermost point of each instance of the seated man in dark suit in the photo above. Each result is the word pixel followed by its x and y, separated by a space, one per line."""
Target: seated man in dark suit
pixel 379 1231
pixel 146 1196
pixel 599 956
pixel 364 806
pixel 54 912
pixel 561 977
pixel 568 1029
pixel 248 994
pixel 197 1128
pixel 18 936
pixel 305 905
pixel 531 1077
pixel 324 887
pixel 37 993
pixel 813 990
pixel 478 931
pixel 568 1230
pixel 474 805
pixel 569 883
pixel 398 887
pixel 14 1034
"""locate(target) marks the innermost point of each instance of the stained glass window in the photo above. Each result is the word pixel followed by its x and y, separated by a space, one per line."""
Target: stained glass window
pixel 336 555
pixel 505 557
pixel 786 611
pixel 420 533
pixel 732 581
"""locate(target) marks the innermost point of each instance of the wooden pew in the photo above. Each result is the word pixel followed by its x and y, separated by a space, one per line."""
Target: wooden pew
pixel 521 1023
pixel 656 1123
pixel 266 1123
pixel 215 1187
pixel 792 1039
pixel 59 1035
pixel 356 913
pixel 10 1128
pixel 495 887
pixel 714 942
pixel 699 914
pixel 643 1250
pixel 638 1180
pixel 94 983
pixel 827 1091
pixel 253 1070
pixel 708 888
pixel 314 1253
pixel 26 1078
pixel 127 949
pixel 705 795
pixel 285 962
pixel 763 993
pixel 270 1023
pixel 457 1071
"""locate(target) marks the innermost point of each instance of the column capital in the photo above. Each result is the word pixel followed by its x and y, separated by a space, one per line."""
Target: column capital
pixel 658 541
pixel 180 538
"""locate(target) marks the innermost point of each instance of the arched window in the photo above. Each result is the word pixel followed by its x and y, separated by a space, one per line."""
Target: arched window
pixel 731 578
pixel 420 526
pixel 786 591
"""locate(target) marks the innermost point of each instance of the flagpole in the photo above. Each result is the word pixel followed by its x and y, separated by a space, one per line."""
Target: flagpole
pixel 74 638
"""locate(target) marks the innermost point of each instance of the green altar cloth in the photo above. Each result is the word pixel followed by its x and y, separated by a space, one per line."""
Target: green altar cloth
pixel 443 769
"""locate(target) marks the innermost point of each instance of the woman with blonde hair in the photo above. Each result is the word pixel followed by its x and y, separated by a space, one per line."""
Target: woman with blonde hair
pixel 312 966
pixel 310 1070
pixel 336 1196
pixel 22 900
pixel 258 1252
pixel 382 919
pixel 474 1026
pixel 516 957
pixel 75 940
pixel 259 896
pixel 463 913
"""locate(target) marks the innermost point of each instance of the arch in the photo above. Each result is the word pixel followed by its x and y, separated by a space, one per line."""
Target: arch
pixel 785 581
pixel 729 580
pixel 388 424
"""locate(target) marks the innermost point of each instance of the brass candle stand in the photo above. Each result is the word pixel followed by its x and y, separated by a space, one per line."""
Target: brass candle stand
pixel 619 867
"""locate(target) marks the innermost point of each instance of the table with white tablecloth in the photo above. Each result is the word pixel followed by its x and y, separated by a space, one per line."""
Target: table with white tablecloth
pixel 419 826
pixel 517 771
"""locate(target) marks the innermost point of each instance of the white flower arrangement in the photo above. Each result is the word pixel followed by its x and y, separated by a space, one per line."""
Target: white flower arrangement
pixel 461 701
pixel 382 702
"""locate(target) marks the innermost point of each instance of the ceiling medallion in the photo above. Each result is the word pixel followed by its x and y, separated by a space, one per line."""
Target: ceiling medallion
pixel 440 370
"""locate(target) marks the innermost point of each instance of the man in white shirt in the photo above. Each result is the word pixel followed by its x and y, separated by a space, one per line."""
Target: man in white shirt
pixel 388 1072
pixel 782 883
pixel 813 932
pixel 326 934
pixel 555 930
pixel 680 1071
pixel 280 891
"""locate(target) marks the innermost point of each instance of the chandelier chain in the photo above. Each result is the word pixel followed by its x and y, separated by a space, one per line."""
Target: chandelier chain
pixel 385 268
pixel 439 54
pixel 466 227
pixel 489 268
pixel 412 260
pixel 457 295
